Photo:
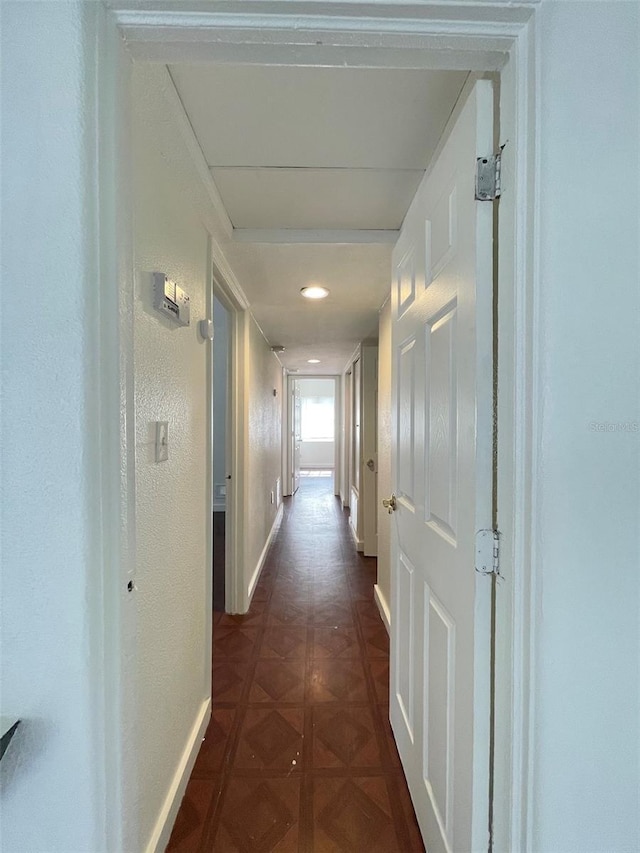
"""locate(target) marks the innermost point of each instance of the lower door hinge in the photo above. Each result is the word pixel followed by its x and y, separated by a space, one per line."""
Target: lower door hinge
pixel 488 177
pixel 488 552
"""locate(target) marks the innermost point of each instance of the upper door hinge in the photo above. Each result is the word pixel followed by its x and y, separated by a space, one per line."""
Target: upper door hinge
pixel 488 552
pixel 488 178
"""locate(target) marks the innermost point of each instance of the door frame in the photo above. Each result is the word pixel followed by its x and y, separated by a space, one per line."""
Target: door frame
pixel 368 439
pixel 234 451
pixel 354 482
pixel 462 34
pixel 364 393
pixel 347 409
pixel 289 438
pixel 337 444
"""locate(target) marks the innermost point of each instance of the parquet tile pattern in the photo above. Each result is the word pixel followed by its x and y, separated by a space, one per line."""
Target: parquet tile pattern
pixel 299 754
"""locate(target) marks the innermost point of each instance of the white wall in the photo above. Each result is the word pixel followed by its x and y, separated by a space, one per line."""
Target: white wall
pixel 317 454
pixel 220 391
pixel 172 523
pixel 584 745
pixel 587 552
pixel 53 797
pixel 263 447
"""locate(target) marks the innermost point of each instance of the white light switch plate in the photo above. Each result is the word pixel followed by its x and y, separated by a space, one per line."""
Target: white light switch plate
pixel 162 441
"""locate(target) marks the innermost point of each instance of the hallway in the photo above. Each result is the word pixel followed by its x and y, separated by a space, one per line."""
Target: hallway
pixel 299 753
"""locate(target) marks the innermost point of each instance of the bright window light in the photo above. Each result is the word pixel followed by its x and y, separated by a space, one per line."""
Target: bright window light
pixel 316 419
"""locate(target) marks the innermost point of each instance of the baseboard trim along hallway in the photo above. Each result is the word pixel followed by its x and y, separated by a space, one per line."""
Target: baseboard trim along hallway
pixel 383 607
pixel 255 577
pixel 164 824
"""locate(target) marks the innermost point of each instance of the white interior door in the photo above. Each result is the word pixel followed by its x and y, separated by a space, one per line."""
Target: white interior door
pixel 355 425
pixel 369 447
pixel 442 471
pixel 296 435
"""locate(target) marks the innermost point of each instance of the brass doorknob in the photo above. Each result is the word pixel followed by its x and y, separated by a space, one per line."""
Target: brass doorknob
pixel 390 504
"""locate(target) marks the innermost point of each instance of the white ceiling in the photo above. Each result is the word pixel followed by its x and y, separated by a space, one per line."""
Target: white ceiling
pixel 316 198
pixel 281 116
pixel 329 329
pixel 315 149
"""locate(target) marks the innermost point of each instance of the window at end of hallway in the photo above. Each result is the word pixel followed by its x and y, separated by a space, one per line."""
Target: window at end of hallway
pixel 317 419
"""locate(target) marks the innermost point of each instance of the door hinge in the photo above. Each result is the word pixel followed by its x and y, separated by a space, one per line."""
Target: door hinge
pixel 488 552
pixel 488 177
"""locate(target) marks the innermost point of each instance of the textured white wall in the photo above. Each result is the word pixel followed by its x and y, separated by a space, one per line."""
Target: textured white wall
pixel 263 445
pixel 586 746
pixel 52 795
pixel 172 524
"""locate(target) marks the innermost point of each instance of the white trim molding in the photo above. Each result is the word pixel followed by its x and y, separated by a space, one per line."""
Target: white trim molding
pixel 291 236
pixel 164 824
pixel 462 35
pixel 195 152
pixel 474 35
pixel 255 577
pixel 223 273
pixel 383 607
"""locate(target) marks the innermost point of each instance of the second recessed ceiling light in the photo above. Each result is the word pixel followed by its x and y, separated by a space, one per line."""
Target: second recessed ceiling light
pixel 313 361
pixel 314 292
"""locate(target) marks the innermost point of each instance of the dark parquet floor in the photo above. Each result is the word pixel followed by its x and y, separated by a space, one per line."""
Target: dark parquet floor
pixel 299 754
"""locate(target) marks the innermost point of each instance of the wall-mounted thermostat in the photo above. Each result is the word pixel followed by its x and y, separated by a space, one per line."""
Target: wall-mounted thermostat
pixel 170 299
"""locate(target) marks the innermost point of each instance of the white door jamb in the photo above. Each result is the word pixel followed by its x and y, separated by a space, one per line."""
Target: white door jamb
pixel 477 36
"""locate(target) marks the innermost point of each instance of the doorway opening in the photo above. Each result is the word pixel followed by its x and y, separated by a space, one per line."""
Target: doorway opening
pixel 317 427
pixel 312 436
pixel 516 79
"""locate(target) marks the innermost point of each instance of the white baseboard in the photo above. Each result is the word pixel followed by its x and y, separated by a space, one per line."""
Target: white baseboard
pixel 359 542
pixel 383 607
pixel 167 817
pixel 255 577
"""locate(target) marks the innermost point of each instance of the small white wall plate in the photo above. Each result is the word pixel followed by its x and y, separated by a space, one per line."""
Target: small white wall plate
pixel 205 328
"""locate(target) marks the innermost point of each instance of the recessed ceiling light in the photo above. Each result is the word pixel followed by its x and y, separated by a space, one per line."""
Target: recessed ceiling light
pixel 314 292
pixel 313 361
